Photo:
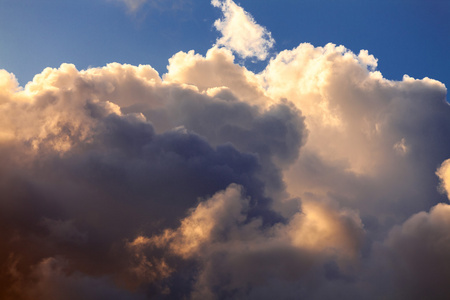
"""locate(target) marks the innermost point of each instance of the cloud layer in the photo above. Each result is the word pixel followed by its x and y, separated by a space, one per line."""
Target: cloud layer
pixel 316 178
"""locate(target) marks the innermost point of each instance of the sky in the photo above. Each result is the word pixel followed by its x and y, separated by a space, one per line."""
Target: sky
pixel 407 36
pixel 224 150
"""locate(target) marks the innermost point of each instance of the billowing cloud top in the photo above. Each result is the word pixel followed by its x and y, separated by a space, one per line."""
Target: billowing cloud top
pixel 314 179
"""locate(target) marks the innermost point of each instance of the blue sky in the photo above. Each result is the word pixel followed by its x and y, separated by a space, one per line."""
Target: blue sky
pixel 407 36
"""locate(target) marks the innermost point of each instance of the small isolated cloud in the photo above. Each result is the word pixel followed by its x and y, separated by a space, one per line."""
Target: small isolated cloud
pixel 240 32
pixel 133 5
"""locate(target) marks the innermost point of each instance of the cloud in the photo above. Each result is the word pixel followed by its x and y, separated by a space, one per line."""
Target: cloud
pixel 133 5
pixel 417 253
pixel 51 281
pixel 88 170
pixel 365 131
pixel 313 178
pixel 238 257
pixel 136 6
pixel 240 32
pixel 444 175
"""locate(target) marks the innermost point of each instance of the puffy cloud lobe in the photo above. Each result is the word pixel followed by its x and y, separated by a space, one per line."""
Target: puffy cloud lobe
pixel 216 73
pixel 444 175
pixel 8 85
pixel 236 256
pixel 417 254
pixel 364 131
pixel 240 32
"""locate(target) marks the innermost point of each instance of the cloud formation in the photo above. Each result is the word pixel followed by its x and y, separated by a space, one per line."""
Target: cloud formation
pixel 240 32
pixel 316 177
pixel 417 253
pixel 133 5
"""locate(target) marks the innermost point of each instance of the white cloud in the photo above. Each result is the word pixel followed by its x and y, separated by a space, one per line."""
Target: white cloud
pixel 240 32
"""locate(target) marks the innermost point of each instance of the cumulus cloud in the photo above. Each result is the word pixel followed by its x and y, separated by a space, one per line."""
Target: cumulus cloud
pixel 316 177
pixel 364 131
pixel 240 32
pixel 109 153
pixel 242 256
pixel 417 255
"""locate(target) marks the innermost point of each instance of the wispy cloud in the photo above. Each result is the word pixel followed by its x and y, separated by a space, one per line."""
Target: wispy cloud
pixel 136 6
pixel 133 5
